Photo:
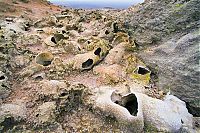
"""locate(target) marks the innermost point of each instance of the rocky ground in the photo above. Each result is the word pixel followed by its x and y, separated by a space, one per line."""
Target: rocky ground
pixel 75 70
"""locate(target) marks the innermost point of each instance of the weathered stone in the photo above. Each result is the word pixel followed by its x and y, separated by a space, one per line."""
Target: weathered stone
pixel 4 86
pixel 44 58
pixel 45 112
pixel 178 68
pixel 108 101
pixel 110 74
pixel 11 115
pixel 115 55
pixel 174 27
pixel 138 110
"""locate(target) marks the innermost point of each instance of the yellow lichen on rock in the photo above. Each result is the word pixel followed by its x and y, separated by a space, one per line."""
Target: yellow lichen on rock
pixel 137 70
pixel 44 58
pixel 85 61
pixel 100 45
pixel 141 78
pixel 120 37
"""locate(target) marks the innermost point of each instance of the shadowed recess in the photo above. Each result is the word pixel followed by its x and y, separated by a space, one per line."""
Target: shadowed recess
pixel 97 52
pixel 87 64
pixel 44 59
pixel 143 71
pixel 2 77
pixel 8 124
pixel 53 40
pixel 131 104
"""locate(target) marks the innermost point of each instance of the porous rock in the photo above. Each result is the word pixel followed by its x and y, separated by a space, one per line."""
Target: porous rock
pixel 45 112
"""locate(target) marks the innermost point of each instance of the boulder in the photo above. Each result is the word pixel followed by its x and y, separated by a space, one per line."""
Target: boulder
pixel 178 68
pixel 169 31
pixel 138 110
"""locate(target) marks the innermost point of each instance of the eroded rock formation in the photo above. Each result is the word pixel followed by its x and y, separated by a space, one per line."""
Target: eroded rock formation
pixel 77 70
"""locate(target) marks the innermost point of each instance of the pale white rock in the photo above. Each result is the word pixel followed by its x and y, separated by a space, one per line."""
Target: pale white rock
pixel 17 110
pixel 137 110
pixel 167 115
pixel 123 116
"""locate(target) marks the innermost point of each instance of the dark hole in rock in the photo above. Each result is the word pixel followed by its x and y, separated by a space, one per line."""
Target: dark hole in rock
pixel 136 44
pixel 4 86
pixel 143 71
pixel 26 28
pixel 39 78
pixel 87 64
pixel 88 42
pixel 2 36
pixel 76 28
pixel 40 30
pixel 28 25
pixel 117 102
pixel 115 28
pixel 8 124
pixel 182 121
pixel 91 109
pixel 53 40
pixel 97 52
pixel 63 94
pixel 2 77
pixel 131 104
pixel 107 32
pixel 46 63
pixel 64 32
pixel 37 115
